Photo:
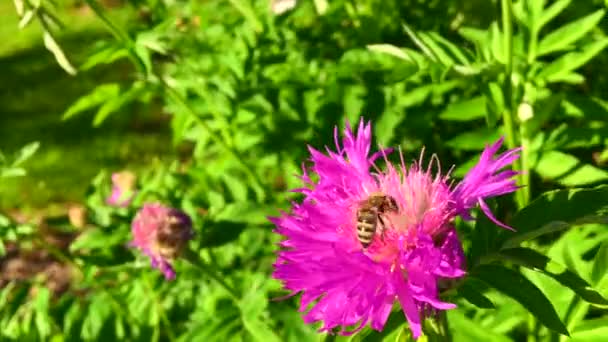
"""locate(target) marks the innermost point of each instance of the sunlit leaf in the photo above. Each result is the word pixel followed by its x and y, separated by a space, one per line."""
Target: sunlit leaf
pixel 539 262
pixel 557 210
pixel 568 170
pixel 62 60
pixel 552 11
pixel 465 110
pixel 571 61
pixel 464 329
pixel 564 36
pixel 516 286
pixel 96 97
pixel 474 140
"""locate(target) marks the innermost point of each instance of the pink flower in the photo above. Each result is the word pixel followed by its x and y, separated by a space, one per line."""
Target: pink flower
pixel 344 284
pixel 123 184
pixel 161 233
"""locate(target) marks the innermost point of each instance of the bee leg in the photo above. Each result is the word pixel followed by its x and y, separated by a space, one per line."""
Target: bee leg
pixel 382 228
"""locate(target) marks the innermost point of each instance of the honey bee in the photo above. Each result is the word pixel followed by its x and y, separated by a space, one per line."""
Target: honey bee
pixel 369 214
pixel 172 237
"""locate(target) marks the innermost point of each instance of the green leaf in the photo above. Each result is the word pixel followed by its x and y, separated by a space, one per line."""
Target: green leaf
pixel 561 67
pixel 465 110
pixel 600 264
pixel 539 262
pixel 97 96
pixel 25 153
pixel 495 103
pixel 471 290
pixel 97 238
pixel 588 107
pixel 562 38
pixel 246 212
pixel 217 233
pixel 464 329
pixel 43 320
pixel 557 210
pixel 565 137
pixel 552 11
pixel 474 140
pixel 518 287
pixel 568 170
pixel 390 50
pixel 115 103
pixel 99 311
pixel 62 60
pixel 591 330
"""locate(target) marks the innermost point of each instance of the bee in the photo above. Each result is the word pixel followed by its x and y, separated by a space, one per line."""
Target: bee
pixel 173 236
pixel 369 214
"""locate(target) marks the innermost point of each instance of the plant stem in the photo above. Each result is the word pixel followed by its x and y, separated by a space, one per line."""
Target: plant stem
pixel 196 261
pixel 444 327
pixel 525 164
pixel 159 308
pixel 216 139
pixel 118 33
pixel 509 112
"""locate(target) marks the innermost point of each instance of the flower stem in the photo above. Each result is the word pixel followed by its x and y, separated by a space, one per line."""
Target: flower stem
pixel 509 112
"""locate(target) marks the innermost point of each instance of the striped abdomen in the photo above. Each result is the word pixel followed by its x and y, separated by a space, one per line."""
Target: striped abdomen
pixel 367 222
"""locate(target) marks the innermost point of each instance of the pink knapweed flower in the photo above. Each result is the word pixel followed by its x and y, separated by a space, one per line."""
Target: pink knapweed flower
pixel 347 285
pixel 161 233
pixel 123 184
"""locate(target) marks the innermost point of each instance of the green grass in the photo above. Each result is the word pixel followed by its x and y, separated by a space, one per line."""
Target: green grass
pixel 34 92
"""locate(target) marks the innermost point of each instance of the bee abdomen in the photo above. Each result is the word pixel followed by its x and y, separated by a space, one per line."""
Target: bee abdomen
pixel 365 232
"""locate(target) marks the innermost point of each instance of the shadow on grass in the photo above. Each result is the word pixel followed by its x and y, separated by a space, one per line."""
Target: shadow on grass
pixel 34 92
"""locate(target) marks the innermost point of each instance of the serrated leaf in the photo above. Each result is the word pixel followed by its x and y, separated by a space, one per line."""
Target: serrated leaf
pixel 465 110
pixel 518 287
pixel 97 96
pixel 564 36
pixel 568 170
pixel 557 210
pixel 539 262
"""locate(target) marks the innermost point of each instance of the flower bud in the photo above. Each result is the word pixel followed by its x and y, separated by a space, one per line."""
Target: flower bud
pixel 525 112
pixel 161 233
pixel 123 185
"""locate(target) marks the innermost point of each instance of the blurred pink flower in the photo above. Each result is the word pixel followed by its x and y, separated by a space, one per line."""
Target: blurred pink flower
pixel 161 233
pixel 344 284
pixel 123 185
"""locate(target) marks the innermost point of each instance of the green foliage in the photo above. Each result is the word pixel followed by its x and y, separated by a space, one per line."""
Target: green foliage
pixel 243 90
